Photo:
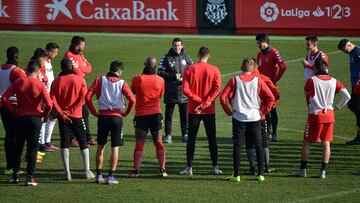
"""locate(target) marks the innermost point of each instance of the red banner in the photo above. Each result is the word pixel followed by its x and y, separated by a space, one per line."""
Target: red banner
pixel 99 14
pixel 301 15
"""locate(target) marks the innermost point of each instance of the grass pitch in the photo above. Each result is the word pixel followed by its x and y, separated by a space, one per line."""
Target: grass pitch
pixel 226 53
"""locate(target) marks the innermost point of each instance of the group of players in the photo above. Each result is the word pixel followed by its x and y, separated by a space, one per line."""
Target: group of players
pixel 34 99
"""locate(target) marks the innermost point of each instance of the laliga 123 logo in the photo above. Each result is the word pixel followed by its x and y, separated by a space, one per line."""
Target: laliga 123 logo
pixel 56 7
pixel 269 11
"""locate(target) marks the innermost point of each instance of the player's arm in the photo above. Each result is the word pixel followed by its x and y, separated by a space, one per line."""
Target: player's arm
pixel 274 90
pixel 47 101
pixel 5 98
pixel 266 96
pixel 186 88
pixel 227 94
pixel 80 98
pixel 85 67
pixel 214 91
pixel 345 96
pixel 280 62
pixel 162 70
pixel 17 73
pixel 94 88
pixel 130 97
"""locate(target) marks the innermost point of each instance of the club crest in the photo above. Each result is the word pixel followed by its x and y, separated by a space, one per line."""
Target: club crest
pixel 216 11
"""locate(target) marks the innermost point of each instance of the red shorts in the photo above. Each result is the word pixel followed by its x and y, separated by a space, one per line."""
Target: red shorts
pixel 318 132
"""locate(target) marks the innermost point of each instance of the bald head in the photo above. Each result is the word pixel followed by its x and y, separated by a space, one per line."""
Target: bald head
pixel 66 64
pixel 150 62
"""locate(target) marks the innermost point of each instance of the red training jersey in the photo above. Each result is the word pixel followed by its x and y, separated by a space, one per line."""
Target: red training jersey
pixel 68 94
pixel 271 64
pixel 96 89
pixel 148 90
pixel 201 84
pixel 31 94
pixel 80 65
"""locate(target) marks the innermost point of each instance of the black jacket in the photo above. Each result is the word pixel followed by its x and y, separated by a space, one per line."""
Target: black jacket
pixel 171 64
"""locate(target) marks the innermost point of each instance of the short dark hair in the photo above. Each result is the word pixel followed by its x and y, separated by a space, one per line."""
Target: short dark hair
pixel 52 45
pixel 76 40
pixel 116 66
pixel 203 51
pixel 177 40
pixel 11 52
pixel 150 62
pixel 33 66
pixel 321 66
pixel 66 64
pixel 246 62
pixel 342 44
pixel 39 52
pixel 262 37
pixel 313 39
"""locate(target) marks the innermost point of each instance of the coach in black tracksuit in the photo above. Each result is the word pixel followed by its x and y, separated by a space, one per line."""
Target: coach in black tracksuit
pixel 171 68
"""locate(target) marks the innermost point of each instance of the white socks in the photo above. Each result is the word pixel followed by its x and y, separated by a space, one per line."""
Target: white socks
pixel 49 128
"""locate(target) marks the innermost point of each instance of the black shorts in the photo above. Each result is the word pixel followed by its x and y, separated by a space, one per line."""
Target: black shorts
pixel 77 128
pixel 112 125
pixel 151 122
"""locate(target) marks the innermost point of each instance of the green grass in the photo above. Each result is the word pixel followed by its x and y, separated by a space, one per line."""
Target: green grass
pixel 227 53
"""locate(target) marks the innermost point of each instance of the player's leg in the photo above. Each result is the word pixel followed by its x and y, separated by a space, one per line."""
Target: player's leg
pixel 194 123
pixel 65 138
pixel 85 111
pixel 184 121
pixel 33 126
pixel 326 137
pixel 250 153
pixel 9 123
pixel 169 110
pixel 78 126
pixel 20 137
pixel 49 128
pixel 116 126
pixel 254 129
pixel 102 134
pixel 156 132
pixel 238 139
pixel 210 129
pixel 274 124
pixel 264 141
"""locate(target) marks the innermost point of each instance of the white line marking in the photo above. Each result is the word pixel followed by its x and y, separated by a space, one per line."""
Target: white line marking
pixel 287 62
pixel 336 194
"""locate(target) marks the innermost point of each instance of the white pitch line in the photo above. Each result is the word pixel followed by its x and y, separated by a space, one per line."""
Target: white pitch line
pixel 336 194
pixel 287 62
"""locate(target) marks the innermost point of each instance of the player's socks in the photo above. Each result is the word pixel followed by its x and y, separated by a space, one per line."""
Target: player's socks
pixel 86 160
pixel 49 128
pixel 160 153
pixel 251 157
pixel 98 171
pixel 111 173
pixel 303 164
pixel 138 153
pixel 65 158
pixel 324 166
pixel 267 156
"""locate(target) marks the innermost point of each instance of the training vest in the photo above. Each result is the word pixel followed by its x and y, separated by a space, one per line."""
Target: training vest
pixel 308 73
pixel 49 72
pixel 246 101
pixel 324 95
pixel 5 81
pixel 111 96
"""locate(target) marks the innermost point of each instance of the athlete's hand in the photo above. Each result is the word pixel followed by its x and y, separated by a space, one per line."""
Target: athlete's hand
pixel 304 62
pixel 207 104
pixel 178 76
pixel 198 109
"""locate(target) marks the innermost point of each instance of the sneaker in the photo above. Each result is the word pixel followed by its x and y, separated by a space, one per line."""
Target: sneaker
pixel 92 142
pixel 100 179
pixel 274 137
pixel 163 173
pixel 356 172
pixel 355 141
pixel 31 182
pixel 8 171
pixel 185 138
pixel 111 180
pixel 45 148
pixel 167 139
pixel 51 146
pixel 134 173
pixel 233 178
pixel 74 143
pixel 14 179
pixel 89 174
pixel 269 169
pixel 67 176
pixel 187 171
pixel 261 178
pixel 39 159
pixel 216 171
pixel 322 174
pixel 40 153
pixel 300 173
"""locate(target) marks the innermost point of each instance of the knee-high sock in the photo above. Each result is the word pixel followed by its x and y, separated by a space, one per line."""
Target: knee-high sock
pixel 85 157
pixel 160 153
pixel 267 157
pixel 138 153
pixel 65 158
pixel 251 157
pixel 42 134
pixel 49 128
